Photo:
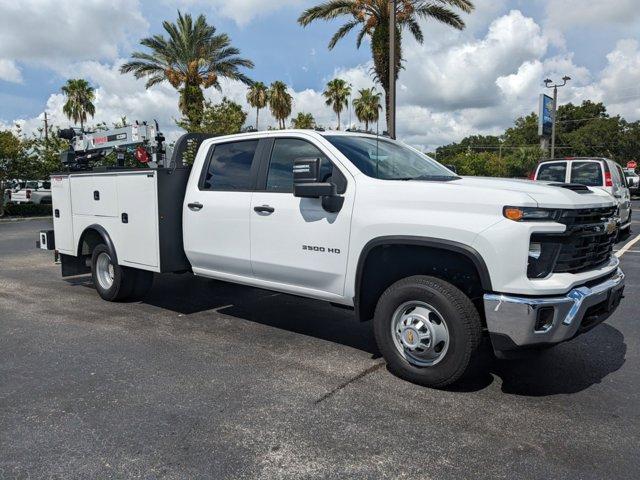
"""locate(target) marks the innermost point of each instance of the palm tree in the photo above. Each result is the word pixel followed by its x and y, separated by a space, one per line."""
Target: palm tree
pixel 304 121
pixel 80 96
pixel 280 101
pixel 191 59
pixel 373 18
pixel 337 96
pixel 367 106
pixel 257 96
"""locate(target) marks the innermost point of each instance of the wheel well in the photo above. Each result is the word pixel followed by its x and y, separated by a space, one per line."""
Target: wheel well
pixel 386 264
pixel 92 237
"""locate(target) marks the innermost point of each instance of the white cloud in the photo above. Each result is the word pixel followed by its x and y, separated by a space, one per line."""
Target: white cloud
pixel 567 13
pixel 618 84
pixel 464 76
pixel 455 85
pixel 56 32
pixel 240 11
pixel 9 71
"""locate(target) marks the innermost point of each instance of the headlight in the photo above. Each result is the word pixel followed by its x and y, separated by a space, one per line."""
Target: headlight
pixel 531 214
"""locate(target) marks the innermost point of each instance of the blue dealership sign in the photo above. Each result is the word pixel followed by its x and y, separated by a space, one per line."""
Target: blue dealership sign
pixel 545 116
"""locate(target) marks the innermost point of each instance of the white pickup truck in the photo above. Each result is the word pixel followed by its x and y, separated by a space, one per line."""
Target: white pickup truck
pixel 37 192
pixel 436 260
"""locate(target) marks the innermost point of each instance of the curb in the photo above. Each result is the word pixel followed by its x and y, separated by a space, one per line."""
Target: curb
pixel 22 219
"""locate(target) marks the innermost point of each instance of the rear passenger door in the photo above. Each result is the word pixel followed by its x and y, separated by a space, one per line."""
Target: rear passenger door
pixel 216 212
pixel 294 241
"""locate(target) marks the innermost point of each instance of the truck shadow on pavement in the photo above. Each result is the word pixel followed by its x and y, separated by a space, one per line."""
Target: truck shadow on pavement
pixel 189 295
pixel 567 368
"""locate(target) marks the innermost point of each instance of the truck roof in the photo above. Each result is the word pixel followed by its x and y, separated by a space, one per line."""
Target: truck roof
pixel 566 159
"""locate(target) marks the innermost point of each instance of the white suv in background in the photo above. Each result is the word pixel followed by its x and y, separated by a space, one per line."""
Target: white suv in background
pixel 601 173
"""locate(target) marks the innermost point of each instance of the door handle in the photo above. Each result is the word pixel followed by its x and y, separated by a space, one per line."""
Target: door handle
pixel 264 209
pixel 196 206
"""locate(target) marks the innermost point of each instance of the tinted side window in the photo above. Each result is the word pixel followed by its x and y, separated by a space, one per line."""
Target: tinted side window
pixel 285 151
pixel 552 172
pixel 587 173
pixel 230 166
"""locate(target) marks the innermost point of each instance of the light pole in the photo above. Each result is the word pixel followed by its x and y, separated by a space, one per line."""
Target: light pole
pixel 350 102
pixel 549 84
pixel 392 69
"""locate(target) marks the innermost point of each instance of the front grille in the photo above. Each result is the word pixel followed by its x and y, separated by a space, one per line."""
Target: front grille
pixel 587 216
pixel 586 245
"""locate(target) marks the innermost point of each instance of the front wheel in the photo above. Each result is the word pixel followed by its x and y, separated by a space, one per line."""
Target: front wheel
pixel 427 330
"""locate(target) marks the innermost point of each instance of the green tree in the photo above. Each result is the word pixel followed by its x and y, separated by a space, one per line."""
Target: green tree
pixel 304 121
pixel 520 162
pixel 258 96
pixel 280 102
pixel 80 96
pixel 224 118
pixel 367 106
pixel 572 117
pixel 523 133
pixel 372 17
pixel 336 96
pixel 473 143
pixel 193 57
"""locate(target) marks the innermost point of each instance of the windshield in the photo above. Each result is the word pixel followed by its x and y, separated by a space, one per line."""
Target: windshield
pixel 388 160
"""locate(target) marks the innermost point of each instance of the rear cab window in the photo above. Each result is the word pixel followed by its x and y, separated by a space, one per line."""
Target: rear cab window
pixel 588 173
pixel 552 172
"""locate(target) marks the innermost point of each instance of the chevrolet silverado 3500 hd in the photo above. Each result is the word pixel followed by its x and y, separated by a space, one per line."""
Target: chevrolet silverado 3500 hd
pixel 436 260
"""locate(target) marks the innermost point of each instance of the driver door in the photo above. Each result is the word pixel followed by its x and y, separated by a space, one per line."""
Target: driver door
pixel 294 241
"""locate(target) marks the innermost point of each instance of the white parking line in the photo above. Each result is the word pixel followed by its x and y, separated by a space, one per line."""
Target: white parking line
pixel 627 246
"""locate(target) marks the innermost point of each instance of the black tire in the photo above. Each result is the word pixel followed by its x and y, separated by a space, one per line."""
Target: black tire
pixel 142 284
pixel 459 315
pixel 123 278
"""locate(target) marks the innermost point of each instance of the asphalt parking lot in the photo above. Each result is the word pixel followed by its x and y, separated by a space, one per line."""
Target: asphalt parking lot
pixel 209 380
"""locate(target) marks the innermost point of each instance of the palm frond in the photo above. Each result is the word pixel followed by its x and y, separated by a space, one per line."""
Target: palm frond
pixel 442 15
pixel 342 32
pixel 415 30
pixel 327 11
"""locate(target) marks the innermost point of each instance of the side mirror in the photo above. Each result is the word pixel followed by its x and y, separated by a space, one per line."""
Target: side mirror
pixel 306 184
pixel 452 168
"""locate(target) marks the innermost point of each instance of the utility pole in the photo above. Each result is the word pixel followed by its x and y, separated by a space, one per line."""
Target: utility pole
pixel 46 127
pixel 392 69
pixel 549 84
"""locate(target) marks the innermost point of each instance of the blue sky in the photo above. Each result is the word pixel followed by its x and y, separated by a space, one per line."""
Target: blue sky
pixel 457 83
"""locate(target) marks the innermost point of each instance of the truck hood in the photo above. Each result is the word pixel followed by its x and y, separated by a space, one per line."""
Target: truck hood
pixel 544 194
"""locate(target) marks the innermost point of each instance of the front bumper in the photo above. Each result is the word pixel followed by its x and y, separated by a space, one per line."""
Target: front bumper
pixel 516 322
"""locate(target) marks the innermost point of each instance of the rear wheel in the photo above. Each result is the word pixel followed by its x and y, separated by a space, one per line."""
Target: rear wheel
pixel 113 282
pixel 427 330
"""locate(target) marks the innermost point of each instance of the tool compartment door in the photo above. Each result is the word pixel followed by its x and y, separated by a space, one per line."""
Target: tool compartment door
pixel 94 195
pixel 62 214
pixel 138 212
